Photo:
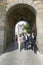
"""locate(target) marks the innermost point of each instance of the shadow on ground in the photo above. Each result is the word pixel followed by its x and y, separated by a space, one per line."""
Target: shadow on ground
pixel 12 46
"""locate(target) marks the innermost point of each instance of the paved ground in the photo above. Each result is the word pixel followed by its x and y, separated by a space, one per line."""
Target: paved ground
pixel 23 57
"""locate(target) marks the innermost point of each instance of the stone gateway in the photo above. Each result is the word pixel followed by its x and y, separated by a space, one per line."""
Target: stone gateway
pixel 12 11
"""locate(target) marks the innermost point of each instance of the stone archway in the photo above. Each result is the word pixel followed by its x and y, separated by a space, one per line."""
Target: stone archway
pixel 8 7
pixel 17 13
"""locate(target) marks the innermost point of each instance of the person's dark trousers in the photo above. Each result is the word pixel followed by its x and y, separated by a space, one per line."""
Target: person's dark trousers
pixel 25 44
pixel 35 48
pixel 32 46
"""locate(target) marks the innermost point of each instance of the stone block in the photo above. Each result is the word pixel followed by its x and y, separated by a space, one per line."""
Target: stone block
pixel 40 49
pixel 1 38
pixel 20 1
pixel 40 44
pixel 2 24
pixel 1 50
pixel 28 1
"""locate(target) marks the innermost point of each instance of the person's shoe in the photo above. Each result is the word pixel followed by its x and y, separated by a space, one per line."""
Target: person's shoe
pixel 35 52
pixel 32 48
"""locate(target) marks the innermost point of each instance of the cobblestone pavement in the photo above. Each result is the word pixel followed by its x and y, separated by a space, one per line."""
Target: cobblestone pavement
pixel 23 57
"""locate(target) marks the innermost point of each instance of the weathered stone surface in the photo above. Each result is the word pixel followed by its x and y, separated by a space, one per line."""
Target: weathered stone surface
pixel 1 38
pixel 37 5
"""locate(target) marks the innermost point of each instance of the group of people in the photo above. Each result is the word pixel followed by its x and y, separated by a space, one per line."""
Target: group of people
pixel 24 40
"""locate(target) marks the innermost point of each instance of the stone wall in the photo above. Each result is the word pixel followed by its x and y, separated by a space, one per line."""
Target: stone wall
pixel 2 27
pixel 39 20
pixel 37 5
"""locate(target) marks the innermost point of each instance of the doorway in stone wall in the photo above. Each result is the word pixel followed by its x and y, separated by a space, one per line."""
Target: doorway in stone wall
pixel 19 12
pixel 20 30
